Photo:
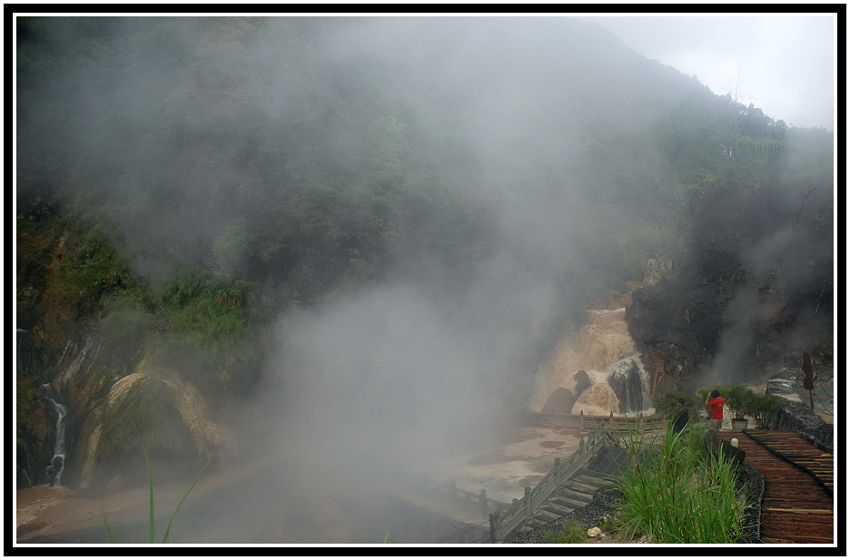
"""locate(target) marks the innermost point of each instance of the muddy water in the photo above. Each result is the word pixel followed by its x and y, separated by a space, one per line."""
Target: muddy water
pixel 595 347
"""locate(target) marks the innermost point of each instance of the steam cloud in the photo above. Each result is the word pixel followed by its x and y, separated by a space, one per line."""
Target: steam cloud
pixel 420 364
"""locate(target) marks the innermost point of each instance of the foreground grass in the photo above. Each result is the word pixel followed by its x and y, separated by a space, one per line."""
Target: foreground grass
pixel 676 491
pixel 571 532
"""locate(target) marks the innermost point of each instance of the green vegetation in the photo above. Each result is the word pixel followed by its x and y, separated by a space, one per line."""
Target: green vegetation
pixel 677 491
pixel 743 402
pixel 570 532
pixel 96 269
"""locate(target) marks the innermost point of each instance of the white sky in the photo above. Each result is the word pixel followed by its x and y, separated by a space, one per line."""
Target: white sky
pixel 786 62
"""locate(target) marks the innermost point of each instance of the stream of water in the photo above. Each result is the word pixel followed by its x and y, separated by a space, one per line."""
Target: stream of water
pixel 57 463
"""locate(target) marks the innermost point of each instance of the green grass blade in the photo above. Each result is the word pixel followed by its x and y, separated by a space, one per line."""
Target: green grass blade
pixel 113 538
pixel 183 499
pixel 151 505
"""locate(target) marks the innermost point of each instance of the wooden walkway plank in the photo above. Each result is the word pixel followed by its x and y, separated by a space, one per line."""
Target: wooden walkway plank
pixel 797 505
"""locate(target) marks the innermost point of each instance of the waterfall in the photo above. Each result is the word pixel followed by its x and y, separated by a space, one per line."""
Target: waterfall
pixel 57 463
pixel 595 368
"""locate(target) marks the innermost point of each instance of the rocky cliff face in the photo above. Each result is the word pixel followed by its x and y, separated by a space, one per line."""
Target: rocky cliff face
pixel 677 324
pixel 739 326
pixel 116 396
pixel 116 403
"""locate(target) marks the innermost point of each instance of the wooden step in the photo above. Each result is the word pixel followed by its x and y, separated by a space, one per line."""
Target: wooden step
pixel 591 480
pixel 567 502
pixel 569 492
pixel 556 510
pixel 545 516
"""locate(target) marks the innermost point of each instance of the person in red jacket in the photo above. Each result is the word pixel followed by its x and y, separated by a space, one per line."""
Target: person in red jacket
pixel 714 402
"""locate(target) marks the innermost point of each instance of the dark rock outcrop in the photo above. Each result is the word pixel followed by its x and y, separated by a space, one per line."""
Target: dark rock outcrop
pixel 626 382
pixel 677 325
pixel 582 382
pixel 561 400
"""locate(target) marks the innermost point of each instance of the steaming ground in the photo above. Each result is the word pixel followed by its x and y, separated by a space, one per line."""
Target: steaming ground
pixel 505 470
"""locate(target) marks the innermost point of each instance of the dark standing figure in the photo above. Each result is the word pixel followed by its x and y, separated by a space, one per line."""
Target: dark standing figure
pixel 680 417
pixel 809 378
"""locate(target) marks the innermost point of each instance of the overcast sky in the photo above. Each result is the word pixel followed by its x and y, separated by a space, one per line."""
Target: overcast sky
pixel 785 62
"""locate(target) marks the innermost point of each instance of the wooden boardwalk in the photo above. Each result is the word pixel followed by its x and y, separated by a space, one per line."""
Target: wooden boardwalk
pixel 797 506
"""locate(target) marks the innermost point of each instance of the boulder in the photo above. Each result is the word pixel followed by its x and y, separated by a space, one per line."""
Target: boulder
pixel 561 401
pixel 597 400
pixel 582 381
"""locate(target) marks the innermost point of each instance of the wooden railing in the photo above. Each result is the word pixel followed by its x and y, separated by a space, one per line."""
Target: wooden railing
pixel 580 422
pixel 478 503
pixel 504 523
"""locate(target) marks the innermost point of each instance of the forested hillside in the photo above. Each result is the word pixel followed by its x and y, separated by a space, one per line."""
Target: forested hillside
pixel 184 184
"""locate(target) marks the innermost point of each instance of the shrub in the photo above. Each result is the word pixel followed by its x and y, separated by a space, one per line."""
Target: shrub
pixel 739 400
pixel 95 268
pixel 765 409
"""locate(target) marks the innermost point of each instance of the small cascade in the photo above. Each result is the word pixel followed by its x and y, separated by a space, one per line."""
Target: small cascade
pixel 57 464
pixel 595 369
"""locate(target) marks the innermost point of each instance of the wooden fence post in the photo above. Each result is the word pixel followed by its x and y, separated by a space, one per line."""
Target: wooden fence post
pixel 581 445
pixel 493 527
pixel 527 498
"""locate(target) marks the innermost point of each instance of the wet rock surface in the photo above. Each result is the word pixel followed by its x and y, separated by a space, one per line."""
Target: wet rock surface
pixel 627 384
pixel 796 416
pixel 679 319
pixel 753 483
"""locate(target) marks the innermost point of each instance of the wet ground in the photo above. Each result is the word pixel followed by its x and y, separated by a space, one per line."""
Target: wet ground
pixel 521 459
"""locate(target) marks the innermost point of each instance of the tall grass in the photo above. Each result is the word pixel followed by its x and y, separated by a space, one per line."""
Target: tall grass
pixel 676 491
